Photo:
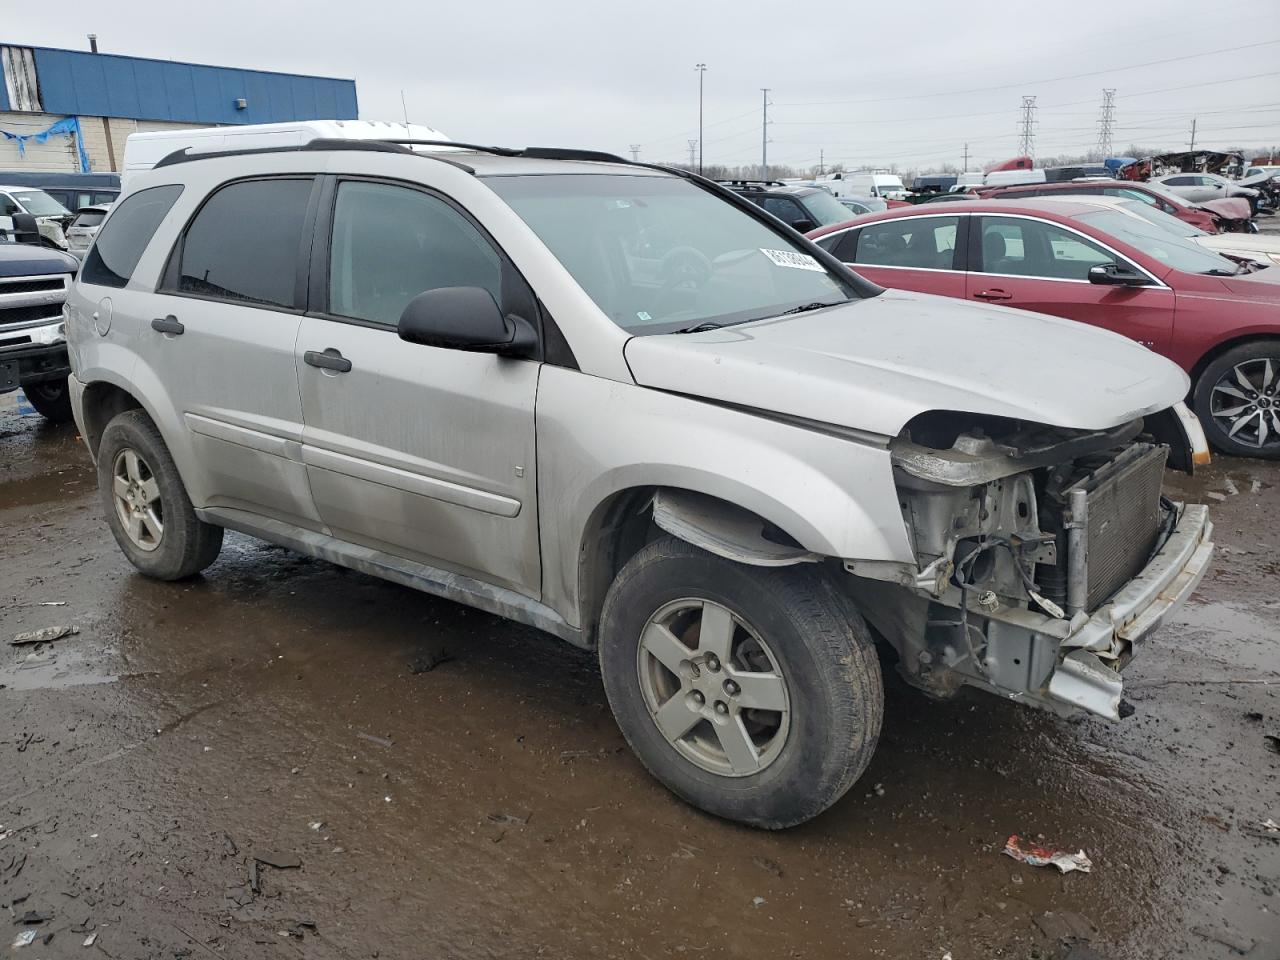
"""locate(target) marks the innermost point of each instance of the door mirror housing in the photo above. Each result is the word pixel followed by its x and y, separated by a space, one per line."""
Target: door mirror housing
pixel 465 318
pixel 25 228
pixel 803 225
pixel 1117 275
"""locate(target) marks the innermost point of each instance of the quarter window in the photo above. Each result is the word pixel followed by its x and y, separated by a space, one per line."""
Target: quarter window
pixel 244 243
pixel 125 235
pixel 1032 248
pixel 392 243
pixel 921 242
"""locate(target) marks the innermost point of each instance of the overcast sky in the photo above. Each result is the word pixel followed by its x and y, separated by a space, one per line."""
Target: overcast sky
pixel 905 83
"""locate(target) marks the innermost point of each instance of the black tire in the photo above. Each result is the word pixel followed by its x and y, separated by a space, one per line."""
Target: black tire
pixel 51 398
pixel 821 647
pixel 1252 358
pixel 187 544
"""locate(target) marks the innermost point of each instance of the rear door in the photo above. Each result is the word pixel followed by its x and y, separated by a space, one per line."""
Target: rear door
pixel 423 452
pixel 913 253
pixel 1033 264
pixel 220 338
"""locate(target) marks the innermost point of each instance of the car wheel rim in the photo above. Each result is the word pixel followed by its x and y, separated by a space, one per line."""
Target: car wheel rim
pixel 135 493
pixel 1245 403
pixel 713 687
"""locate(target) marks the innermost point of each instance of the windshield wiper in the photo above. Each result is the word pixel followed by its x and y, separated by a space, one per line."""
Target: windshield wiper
pixel 1219 272
pixel 806 307
pixel 701 327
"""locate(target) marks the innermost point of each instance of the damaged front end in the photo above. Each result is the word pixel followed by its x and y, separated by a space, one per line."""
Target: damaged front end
pixel 1044 555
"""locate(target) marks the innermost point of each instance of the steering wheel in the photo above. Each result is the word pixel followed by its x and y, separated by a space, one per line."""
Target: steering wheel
pixel 685 268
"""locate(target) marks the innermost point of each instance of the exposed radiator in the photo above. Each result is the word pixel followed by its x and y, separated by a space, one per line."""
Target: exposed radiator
pixel 1113 519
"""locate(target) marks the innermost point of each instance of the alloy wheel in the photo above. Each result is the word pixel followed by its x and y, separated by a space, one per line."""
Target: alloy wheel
pixel 136 496
pixel 1245 402
pixel 713 687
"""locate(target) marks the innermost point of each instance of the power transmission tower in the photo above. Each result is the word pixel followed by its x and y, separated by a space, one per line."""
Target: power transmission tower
pixel 1027 134
pixel 1106 122
pixel 764 134
pixel 635 152
pixel 693 154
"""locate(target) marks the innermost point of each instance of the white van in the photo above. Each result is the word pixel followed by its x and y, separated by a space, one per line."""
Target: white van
pixel 887 186
pixel 142 151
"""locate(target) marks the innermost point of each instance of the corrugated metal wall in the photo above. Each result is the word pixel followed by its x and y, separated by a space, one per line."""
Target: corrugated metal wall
pixel 105 85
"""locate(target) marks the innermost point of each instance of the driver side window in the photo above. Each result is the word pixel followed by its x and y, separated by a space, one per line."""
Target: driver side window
pixel 391 243
pixel 1034 248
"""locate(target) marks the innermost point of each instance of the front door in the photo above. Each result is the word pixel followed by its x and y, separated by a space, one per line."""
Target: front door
pixel 219 337
pixel 423 452
pixel 1036 265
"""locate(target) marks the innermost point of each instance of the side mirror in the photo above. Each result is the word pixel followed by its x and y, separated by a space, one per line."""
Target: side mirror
pixel 1115 275
pixel 25 228
pixel 465 318
pixel 803 225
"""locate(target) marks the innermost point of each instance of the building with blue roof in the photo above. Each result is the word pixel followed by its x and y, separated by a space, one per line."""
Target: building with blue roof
pixel 71 110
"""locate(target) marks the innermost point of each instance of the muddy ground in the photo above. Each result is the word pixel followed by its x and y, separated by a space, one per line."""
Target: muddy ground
pixel 281 708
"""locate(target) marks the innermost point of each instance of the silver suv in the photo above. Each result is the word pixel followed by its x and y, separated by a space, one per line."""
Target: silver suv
pixel 625 406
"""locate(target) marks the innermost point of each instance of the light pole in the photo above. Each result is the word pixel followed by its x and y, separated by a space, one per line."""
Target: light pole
pixel 702 69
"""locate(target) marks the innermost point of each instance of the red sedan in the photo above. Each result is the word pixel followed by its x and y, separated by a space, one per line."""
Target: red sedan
pixel 1218 318
pixel 1162 200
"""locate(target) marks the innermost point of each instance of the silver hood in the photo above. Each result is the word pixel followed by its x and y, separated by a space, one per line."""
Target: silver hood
pixel 874 364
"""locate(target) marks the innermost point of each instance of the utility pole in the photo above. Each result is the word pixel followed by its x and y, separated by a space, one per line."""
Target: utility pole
pixel 693 152
pixel 1027 135
pixel 1192 145
pixel 965 167
pixel 822 169
pixel 702 69
pixel 106 121
pixel 1106 122
pixel 764 135
pixel 635 153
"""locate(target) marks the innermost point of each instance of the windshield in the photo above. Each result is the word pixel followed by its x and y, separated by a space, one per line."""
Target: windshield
pixel 1178 252
pixel 40 204
pixel 660 254
pixel 1165 221
pixel 825 209
pixel 89 218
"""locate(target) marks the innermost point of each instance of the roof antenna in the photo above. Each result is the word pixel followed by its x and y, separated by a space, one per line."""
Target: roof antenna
pixel 404 108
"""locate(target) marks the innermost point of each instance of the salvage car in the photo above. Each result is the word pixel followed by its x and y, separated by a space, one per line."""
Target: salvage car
pixel 799 207
pixel 34 281
pixel 1217 318
pixel 84 228
pixel 1156 197
pixel 1199 187
pixel 51 216
pixel 628 407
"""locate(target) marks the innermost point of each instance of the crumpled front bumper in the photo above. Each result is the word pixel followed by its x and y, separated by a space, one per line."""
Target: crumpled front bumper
pixel 1097 646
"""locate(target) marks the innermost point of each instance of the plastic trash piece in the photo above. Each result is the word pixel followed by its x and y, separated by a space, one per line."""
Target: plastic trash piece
pixel 24 939
pixel 1038 856
pixel 47 635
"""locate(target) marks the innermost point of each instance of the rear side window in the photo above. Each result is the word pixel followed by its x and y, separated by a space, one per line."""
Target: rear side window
pixel 88 218
pixel 122 240
pixel 243 245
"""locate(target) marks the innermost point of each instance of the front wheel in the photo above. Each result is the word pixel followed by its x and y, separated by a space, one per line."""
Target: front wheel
pixel 753 693
pixel 1238 400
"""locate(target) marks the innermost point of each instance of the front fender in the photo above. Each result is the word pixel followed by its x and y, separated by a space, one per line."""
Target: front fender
pixel 597 438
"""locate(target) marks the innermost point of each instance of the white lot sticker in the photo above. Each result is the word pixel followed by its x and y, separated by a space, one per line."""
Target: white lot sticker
pixel 788 258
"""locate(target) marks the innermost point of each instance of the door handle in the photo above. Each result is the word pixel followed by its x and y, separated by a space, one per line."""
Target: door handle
pixel 329 359
pixel 169 324
pixel 993 294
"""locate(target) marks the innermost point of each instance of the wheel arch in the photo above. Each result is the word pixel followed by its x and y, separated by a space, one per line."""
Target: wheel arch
pixel 1218 349
pixel 624 522
pixel 100 402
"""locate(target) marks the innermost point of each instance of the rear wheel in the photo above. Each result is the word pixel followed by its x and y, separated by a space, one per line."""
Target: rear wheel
pixel 753 693
pixel 147 507
pixel 1238 400
pixel 52 399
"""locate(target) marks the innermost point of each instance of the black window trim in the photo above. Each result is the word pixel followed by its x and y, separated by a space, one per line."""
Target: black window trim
pixel 182 189
pixel 318 298
pixel 168 283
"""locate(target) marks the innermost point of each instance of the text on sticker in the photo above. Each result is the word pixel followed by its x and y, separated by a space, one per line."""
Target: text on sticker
pixel 789 258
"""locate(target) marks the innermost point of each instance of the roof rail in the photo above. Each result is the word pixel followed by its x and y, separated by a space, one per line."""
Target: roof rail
pixel 321 143
pixel 532 153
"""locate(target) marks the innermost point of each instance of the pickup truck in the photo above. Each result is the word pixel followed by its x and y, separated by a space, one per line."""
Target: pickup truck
pixel 33 348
